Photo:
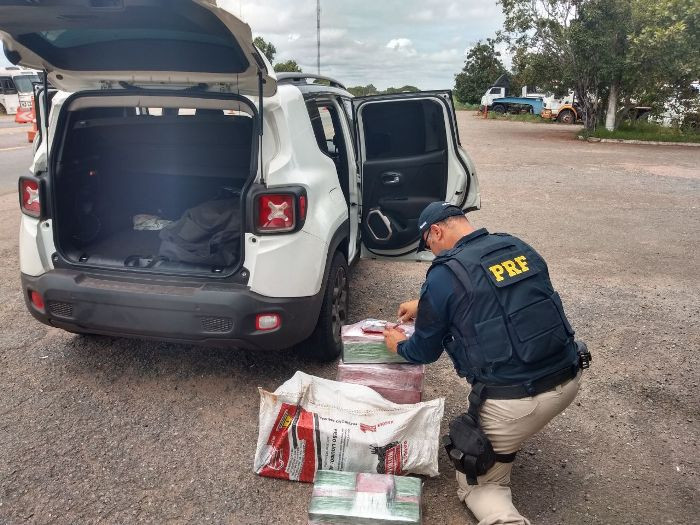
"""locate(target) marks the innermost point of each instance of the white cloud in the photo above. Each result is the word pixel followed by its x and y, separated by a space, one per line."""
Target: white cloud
pixel 293 36
pixel 402 45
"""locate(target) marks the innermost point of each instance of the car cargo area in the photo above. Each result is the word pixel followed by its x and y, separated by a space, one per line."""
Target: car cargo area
pixel 156 189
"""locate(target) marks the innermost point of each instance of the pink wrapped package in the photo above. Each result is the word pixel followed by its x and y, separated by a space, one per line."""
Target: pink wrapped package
pixel 399 383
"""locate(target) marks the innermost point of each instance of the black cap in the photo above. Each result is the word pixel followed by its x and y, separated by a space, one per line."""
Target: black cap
pixel 435 212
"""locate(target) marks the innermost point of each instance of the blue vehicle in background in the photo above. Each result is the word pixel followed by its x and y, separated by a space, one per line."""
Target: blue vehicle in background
pixel 496 99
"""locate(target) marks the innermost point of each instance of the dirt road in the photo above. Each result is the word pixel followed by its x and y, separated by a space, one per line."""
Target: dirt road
pixel 100 430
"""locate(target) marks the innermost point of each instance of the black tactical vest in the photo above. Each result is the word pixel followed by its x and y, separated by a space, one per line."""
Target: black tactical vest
pixel 509 327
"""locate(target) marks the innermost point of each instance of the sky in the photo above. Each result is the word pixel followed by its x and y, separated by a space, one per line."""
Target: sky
pixel 383 42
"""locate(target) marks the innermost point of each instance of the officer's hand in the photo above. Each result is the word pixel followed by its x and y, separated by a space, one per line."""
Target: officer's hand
pixel 408 311
pixel 392 338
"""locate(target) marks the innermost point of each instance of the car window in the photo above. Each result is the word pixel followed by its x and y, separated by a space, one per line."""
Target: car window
pixel 328 130
pixel 495 91
pixel 316 125
pixel 403 128
pixel 326 124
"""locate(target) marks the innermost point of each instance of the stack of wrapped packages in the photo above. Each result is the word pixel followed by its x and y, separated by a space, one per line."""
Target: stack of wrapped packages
pixel 349 498
pixel 367 361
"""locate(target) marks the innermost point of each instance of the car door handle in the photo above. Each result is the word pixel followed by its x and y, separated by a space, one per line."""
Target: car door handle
pixel 391 178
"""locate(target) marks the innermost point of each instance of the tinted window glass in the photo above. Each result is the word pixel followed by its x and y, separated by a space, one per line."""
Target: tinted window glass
pixel 403 129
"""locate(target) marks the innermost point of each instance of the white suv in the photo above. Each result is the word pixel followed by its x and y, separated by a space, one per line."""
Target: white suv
pixel 182 192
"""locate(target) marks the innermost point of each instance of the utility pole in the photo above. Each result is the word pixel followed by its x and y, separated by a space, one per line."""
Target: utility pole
pixel 318 37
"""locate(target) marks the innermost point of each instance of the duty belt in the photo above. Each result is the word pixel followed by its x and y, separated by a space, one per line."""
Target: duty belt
pixel 543 384
pixel 534 388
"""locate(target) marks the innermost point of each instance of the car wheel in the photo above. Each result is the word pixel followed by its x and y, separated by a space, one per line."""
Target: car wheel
pixel 499 108
pixel 325 343
pixel 566 117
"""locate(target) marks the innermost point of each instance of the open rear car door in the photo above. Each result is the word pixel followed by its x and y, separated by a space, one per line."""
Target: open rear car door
pixel 410 156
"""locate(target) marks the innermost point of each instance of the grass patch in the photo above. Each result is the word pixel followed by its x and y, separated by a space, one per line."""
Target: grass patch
pixel 464 107
pixel 644 131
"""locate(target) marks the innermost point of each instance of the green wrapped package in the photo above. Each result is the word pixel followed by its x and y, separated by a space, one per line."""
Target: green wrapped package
pixel 369 352
pixel 363 342
pixel 348 498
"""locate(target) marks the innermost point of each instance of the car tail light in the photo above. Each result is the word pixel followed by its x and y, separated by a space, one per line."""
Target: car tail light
pixel 37 300
pixel 302 207
pixel 267 321
pixel 276 212
pixel 29 197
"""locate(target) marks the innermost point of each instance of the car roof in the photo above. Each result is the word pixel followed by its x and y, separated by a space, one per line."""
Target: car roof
pixel 310 84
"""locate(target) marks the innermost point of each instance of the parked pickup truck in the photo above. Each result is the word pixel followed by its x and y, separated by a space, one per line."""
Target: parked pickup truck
pixel 496 99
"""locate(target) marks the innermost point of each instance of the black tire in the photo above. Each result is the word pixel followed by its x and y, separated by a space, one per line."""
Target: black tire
pixel 498 108
pixel 325 344
pixel 566 117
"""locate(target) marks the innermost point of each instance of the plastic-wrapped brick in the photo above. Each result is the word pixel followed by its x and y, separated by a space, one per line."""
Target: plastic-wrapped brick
pixel 348 498
pixel 399 383
pixel 363 342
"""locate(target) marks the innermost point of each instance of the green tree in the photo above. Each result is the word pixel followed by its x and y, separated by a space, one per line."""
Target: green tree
pixel 612 52
pixel 546 41
pixel 402 89
pixel 481 68
pixel 267 48
pixel 361 91
pixel 663 58
pixel 290 66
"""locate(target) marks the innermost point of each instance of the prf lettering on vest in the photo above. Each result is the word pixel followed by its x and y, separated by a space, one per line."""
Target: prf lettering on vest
pixel 498 270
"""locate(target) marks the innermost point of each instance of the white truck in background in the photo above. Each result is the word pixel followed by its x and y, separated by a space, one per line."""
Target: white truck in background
pixel 562 109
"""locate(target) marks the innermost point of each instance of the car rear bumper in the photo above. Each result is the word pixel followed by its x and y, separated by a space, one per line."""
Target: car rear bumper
pixel 184 312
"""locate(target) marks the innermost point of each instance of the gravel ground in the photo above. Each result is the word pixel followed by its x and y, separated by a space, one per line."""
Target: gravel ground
pixel 102 430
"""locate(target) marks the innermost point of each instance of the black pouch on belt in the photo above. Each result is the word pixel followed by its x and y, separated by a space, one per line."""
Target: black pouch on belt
pixel 467 446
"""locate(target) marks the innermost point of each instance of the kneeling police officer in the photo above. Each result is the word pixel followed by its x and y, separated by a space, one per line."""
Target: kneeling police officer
pixel 487 300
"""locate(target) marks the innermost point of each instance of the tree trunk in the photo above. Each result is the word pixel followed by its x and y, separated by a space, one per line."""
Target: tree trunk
pixel 612 107
pixel 588 109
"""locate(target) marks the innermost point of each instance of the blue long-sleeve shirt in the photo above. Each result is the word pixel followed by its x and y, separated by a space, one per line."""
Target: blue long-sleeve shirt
pixel 439 297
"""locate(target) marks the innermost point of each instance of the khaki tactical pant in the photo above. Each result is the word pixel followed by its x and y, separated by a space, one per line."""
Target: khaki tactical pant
pixel 508 423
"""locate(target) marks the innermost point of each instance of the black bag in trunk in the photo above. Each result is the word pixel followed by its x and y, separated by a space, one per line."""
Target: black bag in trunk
pixel 207 234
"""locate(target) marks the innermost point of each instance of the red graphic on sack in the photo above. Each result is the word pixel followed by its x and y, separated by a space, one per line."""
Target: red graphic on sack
pixel 291 452
pixel 390 457
pixel 368 428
